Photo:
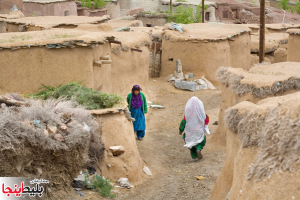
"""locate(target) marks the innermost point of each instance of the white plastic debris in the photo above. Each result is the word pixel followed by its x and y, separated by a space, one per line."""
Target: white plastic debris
pixel 147 171
pixel 124 183
pixel 157 106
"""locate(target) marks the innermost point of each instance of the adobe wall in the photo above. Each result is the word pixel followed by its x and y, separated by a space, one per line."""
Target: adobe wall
pixel 125 4
pixel 293 48
pixel 204 58
pixel 27 69
pixel 153 21
pixel 114 10
pixel 49 9
pixel 2 26
pixel 6 5
pixel 130 68
pixel 118 131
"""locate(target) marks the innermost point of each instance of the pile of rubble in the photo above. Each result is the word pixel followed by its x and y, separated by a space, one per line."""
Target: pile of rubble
pixel 182 81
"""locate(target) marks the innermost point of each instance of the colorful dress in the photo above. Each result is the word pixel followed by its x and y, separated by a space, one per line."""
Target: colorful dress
pixel 138 113
pixel 194 124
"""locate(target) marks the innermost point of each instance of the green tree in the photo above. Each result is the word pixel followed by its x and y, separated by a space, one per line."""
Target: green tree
pixel 298 7
pixel 284 4
pixel 99 3
pixel 186 16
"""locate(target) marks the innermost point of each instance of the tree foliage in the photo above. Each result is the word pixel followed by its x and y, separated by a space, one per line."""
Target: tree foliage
pixel 284 4
pixel 186 16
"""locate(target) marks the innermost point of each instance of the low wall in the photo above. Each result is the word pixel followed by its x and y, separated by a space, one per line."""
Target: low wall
pixel 154 20
pixel 204 57
pixel 50 9
pixel 2 26
pixel 130 68
pixel 30 68
pixel 293 48
pixel 117 130
pixel 6 5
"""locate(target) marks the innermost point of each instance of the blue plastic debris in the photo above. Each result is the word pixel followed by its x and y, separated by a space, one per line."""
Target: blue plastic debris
pixel 176 26
pixel 277 83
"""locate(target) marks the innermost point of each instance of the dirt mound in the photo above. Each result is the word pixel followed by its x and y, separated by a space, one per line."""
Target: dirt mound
pixel 269 150
pixel 50 139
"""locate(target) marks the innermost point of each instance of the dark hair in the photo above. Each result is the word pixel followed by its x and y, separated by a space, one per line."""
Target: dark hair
pixel 136 88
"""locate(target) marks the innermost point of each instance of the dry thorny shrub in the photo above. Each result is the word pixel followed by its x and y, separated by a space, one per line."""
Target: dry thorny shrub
pixel 27 150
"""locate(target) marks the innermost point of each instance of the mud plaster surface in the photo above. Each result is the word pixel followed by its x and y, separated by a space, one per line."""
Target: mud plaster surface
pixel 56 20
pixel 272 41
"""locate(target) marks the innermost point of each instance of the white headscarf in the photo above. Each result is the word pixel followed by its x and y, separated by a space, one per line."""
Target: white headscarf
pixel 195 122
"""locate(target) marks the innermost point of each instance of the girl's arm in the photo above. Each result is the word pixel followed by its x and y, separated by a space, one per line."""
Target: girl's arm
pixel 182 126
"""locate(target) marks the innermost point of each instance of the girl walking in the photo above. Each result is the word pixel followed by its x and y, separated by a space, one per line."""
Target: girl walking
pixel 137 104
pixel 194 125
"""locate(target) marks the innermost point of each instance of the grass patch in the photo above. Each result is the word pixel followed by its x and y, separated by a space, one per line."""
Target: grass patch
pixel 102 186
pixel 16 38
pixel 59 36
pixel 181 1
pixel 87 97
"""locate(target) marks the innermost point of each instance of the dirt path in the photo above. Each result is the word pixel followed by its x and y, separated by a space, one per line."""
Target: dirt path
pixel 163 150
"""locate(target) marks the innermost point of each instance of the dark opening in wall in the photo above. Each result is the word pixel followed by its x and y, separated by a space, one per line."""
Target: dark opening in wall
pixel 148 25
pixel 67 13
pixel 171 59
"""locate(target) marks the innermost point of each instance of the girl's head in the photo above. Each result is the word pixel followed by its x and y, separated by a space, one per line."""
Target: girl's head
pixel 136 90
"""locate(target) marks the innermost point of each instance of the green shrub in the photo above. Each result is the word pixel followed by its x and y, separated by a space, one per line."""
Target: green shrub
pixel 186 16
pixel 284 4
pixel 86 3
pixel 87 97
pixel 99 3
pixel 298 7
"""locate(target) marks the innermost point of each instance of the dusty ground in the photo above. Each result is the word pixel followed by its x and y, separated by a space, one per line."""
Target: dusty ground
pixel 163 150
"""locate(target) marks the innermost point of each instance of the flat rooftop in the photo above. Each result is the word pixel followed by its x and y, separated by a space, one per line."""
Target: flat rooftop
pixel 58 20
pixel 207 31
pixel 44 1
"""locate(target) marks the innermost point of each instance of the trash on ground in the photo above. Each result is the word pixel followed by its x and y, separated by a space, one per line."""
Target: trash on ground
pixel 199 177
pixel 124 183
pixel 147 171
pixel 177 27
pixel 157 106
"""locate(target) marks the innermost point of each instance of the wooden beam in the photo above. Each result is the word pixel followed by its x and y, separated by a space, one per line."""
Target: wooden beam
pixel 132 49
pixel 203 11
pixel 262 32
pixel 116 42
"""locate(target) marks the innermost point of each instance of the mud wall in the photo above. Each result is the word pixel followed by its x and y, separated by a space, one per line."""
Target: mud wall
pixel 204 58
pixel 153 21
pixel 24 70
pixel 125 4
pixel 130 68
pixel 114 10
pixel 50 9
pixel 6 5
pixel 233 144
pixel 293 48
pixel 118 131
pixel 2 26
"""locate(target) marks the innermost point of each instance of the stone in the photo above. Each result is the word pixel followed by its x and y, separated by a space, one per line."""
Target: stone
pixel 186 85
pixel 52 128
pixel 117 150
pixel 46 133
pixel 64 127
pixel 109 165
pixel 59 137
pixel 39 171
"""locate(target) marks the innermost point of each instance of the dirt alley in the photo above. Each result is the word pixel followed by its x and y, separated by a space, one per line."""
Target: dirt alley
pixel 163 150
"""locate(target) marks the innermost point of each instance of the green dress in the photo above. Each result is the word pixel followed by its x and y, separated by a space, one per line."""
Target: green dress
pixel 195 148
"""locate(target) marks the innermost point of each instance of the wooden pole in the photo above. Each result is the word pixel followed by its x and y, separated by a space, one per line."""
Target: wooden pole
pixel 203 11
pixel 262 32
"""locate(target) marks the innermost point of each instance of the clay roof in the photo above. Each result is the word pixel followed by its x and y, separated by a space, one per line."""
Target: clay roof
pixel 45 1
pixel 272 41
pixel 52 39
pixel 293 31
pixel 267 75
pixel 52 21
pixel 207 31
